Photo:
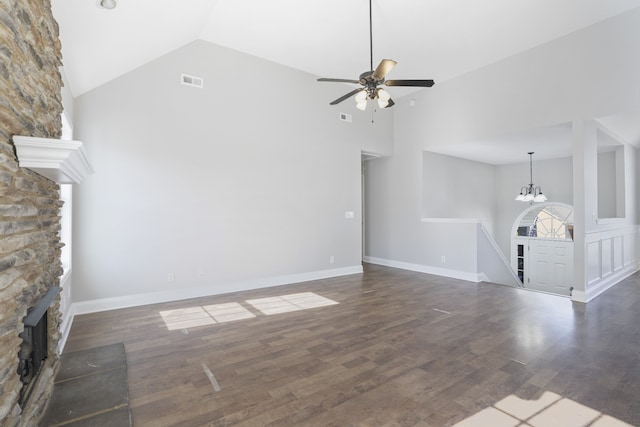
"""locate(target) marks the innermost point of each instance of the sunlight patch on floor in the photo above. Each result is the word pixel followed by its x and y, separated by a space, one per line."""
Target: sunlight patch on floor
pixel 186 318
pixel 228 312
pixel 207 315
pixel 550 410
pixel 191 317
pixel 291 302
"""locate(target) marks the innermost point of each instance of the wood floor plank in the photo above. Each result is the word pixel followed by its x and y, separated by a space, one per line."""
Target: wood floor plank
pixel 400 348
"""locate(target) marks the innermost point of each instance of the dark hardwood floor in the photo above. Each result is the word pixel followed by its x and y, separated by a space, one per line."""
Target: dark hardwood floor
pixel 401 348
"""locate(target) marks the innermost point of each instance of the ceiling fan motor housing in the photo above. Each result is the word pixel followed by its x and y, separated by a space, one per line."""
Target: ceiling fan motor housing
pixel 366 77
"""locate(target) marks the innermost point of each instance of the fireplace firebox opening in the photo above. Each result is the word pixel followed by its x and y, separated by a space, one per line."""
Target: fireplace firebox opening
pixel 34 349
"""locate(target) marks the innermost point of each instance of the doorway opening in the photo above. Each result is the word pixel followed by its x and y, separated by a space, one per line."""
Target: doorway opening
pixel 542 248
pixel 365 157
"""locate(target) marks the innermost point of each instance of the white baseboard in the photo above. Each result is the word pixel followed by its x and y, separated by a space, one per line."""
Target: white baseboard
pixel 436 271
pixel 94 306
pixel 604 284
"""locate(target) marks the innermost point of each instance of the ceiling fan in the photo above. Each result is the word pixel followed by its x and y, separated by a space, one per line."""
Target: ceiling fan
pixel 370 80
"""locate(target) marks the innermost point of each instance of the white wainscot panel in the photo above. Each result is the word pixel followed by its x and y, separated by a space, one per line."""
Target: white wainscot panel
pixel 593 262
pixel 628 248
pixel 606 246
pixel 612 255
pixel 634 248
pixel 618 252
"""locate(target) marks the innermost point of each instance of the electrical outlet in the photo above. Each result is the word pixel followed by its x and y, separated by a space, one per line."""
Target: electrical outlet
pixel 443 259
pixel 200 274
pixel 332 259
pixel 171 277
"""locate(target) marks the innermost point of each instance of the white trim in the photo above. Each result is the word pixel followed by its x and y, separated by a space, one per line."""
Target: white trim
pixel 64 162
pixel 604 221
pixel 67 321
pixel 114 303
pixel 627 254
pixel 368 155
pixel 579 296
pixel 453 220
pixel 610 281
pixel 68 315
pixel 594 236
pixel 454 274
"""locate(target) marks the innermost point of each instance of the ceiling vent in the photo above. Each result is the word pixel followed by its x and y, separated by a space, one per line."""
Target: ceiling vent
pixel 194 81
pixel 345 117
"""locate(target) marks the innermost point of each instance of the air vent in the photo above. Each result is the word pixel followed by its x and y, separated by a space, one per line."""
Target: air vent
pixel 345 117
pixel 194 81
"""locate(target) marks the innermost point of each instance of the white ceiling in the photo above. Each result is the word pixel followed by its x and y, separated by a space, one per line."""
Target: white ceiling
pixel 437 39
pixel 551 142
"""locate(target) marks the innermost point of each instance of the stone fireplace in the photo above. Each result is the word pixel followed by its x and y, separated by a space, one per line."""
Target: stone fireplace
pixel 30 104
pixel 29 266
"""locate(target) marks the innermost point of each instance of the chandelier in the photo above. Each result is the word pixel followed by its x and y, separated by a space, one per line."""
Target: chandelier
pixel 531 193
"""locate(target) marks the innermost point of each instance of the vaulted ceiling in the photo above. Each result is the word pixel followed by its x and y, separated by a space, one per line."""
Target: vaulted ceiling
pixel 438 39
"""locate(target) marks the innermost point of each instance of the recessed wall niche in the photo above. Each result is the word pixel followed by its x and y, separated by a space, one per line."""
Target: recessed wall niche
pixel 611 176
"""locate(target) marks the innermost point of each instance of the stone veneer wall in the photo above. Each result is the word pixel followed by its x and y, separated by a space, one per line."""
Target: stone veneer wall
pixel 30 105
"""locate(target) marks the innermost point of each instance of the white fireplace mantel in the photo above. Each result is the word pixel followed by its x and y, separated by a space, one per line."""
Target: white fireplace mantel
pixel 64 162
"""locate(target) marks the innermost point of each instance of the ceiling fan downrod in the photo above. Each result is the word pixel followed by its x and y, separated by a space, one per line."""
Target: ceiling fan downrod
pixel 370 36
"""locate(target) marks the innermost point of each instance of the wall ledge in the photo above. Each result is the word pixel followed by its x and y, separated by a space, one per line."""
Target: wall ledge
pixel 64 162
pixel 453 220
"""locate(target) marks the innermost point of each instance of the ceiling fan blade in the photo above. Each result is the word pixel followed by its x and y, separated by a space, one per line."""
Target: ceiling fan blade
pixel 416 83
pixel 322 79
pixel 390 104
pixel 383 68
pixel 350 94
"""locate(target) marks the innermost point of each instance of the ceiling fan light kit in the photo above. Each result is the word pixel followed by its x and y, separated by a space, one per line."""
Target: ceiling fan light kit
pixel 108 4
pixel 370 80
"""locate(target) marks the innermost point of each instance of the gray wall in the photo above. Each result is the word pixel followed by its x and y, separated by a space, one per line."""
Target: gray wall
pixel 587 74
pixel 458 188
pixel 462 189
pixel 248 178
